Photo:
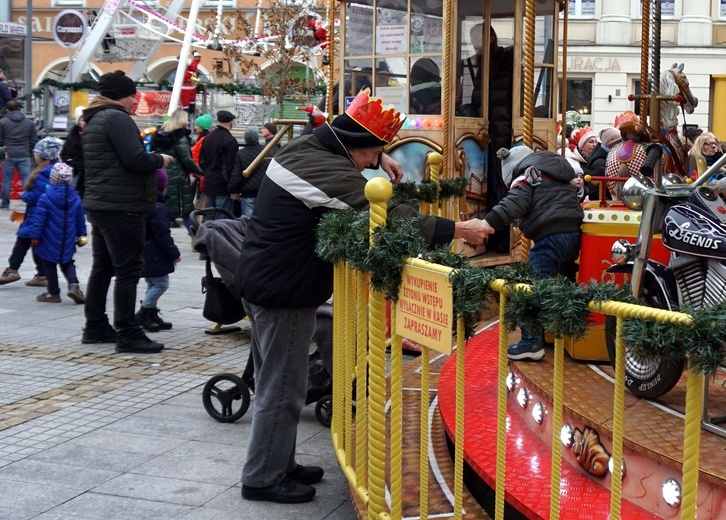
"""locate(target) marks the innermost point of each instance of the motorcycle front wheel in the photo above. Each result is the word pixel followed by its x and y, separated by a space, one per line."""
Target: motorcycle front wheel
pixel 645 376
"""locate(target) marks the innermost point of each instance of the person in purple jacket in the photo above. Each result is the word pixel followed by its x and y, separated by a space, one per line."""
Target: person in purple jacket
pixel 56 227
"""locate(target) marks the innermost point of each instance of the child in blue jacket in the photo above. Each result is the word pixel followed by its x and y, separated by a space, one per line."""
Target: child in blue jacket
pixel 45 153
pixel 160 255
pixel 56 226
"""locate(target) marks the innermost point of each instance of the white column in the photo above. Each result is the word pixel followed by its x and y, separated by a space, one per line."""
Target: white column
pixel 614 26
pixel 695 27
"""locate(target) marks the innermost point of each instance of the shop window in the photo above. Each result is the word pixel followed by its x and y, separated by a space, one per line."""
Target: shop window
pixel 722 9
pixel 579 98
pixel 667 8
pixel 581 8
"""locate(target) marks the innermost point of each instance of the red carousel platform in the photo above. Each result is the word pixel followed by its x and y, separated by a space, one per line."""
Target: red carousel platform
pixel 652 450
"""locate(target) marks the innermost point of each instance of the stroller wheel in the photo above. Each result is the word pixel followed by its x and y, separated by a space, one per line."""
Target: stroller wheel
pixel 226 397
pixel 324 410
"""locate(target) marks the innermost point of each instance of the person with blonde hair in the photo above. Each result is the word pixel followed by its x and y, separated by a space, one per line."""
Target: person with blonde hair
pixel 705 148
pixel 173 138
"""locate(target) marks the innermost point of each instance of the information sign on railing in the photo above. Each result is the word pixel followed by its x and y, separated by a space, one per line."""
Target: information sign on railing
pixel 425 308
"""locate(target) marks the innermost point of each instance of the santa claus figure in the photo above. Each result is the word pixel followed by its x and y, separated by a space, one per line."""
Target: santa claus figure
pixel 319 29
pixel 188 96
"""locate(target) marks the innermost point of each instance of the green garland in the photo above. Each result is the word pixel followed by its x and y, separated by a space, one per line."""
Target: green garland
pixel 702 341
pixel 553 305
pixel 413 194
pixel 92 85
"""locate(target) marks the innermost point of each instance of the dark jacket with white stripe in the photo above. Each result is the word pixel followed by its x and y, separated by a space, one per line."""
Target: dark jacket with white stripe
pixel 308 177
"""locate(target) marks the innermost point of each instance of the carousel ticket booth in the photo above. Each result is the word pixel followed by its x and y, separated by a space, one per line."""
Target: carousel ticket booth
pixel 462 89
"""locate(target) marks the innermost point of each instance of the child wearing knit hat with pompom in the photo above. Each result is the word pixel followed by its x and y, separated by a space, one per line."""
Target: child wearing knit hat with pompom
pixel 542 197
pixel 55 229
pixel 45 153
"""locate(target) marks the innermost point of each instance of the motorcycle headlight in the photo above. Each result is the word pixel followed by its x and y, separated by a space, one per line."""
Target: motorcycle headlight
pixel 634 191
pixel 672 179
pixel 622 251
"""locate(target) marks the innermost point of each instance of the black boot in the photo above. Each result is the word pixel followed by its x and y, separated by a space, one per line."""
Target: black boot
pixel 145 318
pixel 154 317
pixel 138 344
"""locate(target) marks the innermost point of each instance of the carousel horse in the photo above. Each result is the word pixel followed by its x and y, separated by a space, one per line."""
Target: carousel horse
pixel 626 158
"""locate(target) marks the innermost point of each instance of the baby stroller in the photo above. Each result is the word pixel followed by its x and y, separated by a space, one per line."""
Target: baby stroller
pixel 226 396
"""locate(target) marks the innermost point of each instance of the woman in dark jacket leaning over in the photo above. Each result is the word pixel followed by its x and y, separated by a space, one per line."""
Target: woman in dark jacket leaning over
pixel 172 138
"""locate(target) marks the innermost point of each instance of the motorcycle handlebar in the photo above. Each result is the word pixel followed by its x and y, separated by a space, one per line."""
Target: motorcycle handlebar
pixel 653 154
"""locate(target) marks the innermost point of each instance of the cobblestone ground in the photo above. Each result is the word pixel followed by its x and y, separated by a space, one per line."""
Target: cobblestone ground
pixel 86 433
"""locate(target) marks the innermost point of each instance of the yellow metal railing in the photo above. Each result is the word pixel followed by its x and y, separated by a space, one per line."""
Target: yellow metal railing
pixel 366 428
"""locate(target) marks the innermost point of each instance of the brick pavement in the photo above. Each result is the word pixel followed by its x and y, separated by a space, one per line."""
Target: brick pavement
pixel 86 433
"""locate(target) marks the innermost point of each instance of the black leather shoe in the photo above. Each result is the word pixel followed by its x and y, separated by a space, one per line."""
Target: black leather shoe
pixel 142 345
pixel 284 492
pixel 105 334
pixel 306 474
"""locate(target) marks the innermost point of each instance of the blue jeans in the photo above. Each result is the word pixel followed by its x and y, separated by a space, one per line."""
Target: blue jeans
pixel 51 274
pixel 556 255
pixel 220 201
pixel 247 204
pixel 9 165
pixel 117 240
pixel 155 287
pixel 280 343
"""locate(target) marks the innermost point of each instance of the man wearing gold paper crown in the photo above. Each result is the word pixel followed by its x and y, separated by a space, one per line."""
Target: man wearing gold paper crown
pixel 282 281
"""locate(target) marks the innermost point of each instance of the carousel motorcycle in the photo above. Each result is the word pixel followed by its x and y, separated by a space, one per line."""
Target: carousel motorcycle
pixel 692 221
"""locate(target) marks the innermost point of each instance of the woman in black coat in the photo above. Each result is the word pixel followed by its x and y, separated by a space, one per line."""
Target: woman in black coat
pixel 71 152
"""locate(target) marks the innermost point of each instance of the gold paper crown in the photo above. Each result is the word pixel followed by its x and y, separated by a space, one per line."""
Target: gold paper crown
pixel 370 114
pixel 628 115
pixel 579 133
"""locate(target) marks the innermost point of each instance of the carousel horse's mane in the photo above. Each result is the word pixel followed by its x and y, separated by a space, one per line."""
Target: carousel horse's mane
pixel 673 82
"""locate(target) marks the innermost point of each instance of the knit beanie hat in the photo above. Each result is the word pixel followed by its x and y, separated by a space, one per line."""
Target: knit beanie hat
pixel 204 122
pixel 252 135
pixel 610 136
pixel 116 85
pixel 161 179
pixel 271 127
pixel 48 148
pixel 61 173
pixel 510 158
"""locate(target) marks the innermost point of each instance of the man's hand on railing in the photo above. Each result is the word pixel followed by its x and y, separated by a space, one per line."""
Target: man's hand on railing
pixel 474 231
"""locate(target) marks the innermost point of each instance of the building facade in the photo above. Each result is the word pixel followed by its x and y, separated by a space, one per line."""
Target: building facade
pixel 604 57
